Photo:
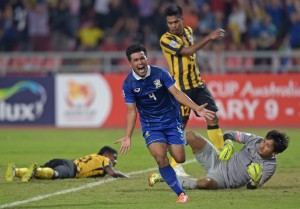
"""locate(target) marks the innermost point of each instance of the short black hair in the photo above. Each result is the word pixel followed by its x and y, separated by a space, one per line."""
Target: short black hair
pixel 135 48
pixel 173 10
pixel 107 149
pixel 281 140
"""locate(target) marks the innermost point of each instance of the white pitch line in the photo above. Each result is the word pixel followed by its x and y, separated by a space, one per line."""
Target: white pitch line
pixel 89 185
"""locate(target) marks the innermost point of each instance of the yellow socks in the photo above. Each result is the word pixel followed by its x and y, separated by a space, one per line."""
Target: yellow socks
pixel 44 173
pixel 174 163
pixel 20 172
pixel 215 135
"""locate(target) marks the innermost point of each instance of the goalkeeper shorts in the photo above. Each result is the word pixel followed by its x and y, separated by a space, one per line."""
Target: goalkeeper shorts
pixel 209 159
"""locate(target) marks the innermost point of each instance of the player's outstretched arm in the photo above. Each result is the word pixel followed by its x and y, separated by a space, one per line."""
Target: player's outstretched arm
pixel 202 111
pixel 125 144
pixel 185 100
pixel 218 33
pixel 130 123
pixel 115 173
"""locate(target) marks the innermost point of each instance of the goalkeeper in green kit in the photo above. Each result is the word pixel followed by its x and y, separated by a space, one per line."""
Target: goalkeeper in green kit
pixel 252 166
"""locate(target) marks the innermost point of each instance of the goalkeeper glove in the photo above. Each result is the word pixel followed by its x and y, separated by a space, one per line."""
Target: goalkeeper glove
pixel 255 172
pixel 226 151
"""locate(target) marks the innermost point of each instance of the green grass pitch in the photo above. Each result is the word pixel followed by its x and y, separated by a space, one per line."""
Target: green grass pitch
pixel 23 146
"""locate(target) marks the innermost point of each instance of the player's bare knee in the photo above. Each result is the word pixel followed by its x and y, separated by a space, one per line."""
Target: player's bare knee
pixel 161 161
pixel 180 159
pixel 190 136
pixel 196 141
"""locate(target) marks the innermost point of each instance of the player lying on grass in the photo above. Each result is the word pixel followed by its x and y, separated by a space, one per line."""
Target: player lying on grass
pixel 252 166
pixel 93 165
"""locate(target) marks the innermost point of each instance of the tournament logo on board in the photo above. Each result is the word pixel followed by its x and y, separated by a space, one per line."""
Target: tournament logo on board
pixel 82 100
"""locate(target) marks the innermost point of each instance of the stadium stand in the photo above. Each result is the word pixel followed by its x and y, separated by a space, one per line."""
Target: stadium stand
pixel 48 36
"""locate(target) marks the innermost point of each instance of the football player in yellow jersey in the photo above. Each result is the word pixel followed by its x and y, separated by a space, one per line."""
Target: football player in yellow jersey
pixel 179 49
pixel 93 165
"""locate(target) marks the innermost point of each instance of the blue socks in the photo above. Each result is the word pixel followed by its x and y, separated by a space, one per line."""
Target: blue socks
pixel 169 175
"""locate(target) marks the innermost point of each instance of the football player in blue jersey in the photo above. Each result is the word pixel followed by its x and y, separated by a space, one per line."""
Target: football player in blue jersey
pixel 152 91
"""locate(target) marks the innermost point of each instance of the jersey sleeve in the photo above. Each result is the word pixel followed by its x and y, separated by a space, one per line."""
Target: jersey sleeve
pixel 170 45
pixel 240 137
pixel 127 93
pixel 267 172
pixel 167 79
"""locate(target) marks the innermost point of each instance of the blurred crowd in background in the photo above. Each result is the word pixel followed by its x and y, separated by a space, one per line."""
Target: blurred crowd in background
pixel 112 25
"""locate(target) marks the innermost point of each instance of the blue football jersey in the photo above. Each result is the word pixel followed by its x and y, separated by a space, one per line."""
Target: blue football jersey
pixel 157 107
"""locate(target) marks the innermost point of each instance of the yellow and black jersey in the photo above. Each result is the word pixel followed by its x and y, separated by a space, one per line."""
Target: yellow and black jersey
pixel 183 68
pixel 91 166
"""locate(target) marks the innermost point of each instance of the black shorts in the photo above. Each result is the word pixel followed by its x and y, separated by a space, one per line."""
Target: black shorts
pixel 200 96
pixel 65 168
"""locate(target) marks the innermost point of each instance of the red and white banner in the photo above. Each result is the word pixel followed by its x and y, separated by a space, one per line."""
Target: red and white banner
pixel 257 99
pixel 82 100
pixel 249 100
